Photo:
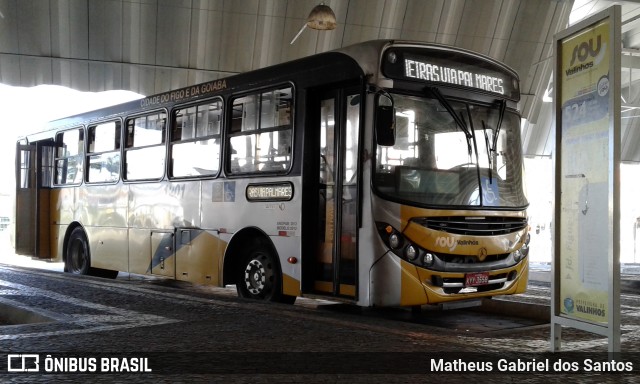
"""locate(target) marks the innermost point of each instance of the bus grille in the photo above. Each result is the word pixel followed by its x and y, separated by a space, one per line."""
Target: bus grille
pixel 465 259
pixel 476 226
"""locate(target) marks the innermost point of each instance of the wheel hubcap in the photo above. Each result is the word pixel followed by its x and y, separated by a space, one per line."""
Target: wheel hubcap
pixel 257 275
pixel 254 277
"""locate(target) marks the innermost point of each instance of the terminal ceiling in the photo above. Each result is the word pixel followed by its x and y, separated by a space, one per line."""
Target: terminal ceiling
pixel 150 46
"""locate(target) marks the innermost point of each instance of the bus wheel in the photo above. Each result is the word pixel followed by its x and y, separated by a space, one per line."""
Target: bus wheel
pixel 78 259
pixel 260 277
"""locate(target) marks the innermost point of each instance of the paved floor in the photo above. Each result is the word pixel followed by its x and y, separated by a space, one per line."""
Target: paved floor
pixel 186 333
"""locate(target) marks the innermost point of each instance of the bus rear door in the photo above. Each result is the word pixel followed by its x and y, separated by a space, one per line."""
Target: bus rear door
pixel 34 166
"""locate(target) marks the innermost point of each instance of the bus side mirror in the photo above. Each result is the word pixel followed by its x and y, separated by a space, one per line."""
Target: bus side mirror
pixel 385 125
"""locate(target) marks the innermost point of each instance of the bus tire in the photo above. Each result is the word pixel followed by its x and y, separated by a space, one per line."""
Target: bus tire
pixel 259 277
pixel 78 258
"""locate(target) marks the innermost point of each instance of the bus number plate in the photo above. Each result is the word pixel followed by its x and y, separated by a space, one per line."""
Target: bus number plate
pixel 475 279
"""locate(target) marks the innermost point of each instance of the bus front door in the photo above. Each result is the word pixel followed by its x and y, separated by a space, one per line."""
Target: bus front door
pixel 335 269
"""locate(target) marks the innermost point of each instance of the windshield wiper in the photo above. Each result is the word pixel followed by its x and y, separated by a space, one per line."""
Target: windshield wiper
pixel 503 106
pixel 458 120
pixel 492 148
pixel 490 151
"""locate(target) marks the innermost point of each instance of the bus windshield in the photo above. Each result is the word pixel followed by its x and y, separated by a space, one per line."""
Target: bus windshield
pixel 472 159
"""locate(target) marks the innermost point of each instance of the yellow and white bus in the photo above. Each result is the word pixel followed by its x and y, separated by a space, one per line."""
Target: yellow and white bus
pixel 387 173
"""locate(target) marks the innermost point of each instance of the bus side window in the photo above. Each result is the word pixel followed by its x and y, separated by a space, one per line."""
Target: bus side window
pixel 145 152
pixel 195 140
pixel 103 157
pixel 260 136
pixel 69 157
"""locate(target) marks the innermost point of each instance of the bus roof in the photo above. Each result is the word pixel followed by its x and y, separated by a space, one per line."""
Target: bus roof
pixel 360 55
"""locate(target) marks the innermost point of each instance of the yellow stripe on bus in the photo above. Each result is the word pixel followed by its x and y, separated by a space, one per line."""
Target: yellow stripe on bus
pixel 290 285
pixel 412 292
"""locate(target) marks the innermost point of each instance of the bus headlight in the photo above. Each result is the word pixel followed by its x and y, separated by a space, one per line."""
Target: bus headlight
pixel 411 252
pixel 391 237
pixel 525 248
pixel 517 256
pixel 523 251
pixel 399 244
pixel 428 259
pixel 394 241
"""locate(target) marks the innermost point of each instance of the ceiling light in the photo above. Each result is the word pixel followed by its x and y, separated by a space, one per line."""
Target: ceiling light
pixel 321 18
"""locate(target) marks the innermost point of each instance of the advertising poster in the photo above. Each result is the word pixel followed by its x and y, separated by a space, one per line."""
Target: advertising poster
pixel 584 174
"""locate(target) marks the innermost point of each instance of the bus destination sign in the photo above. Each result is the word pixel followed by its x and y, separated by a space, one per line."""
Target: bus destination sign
pixel 438 73
pixel 459 69
pixel 270 192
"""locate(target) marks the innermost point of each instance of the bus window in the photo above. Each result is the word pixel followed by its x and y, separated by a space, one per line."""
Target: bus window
pixel 103 154
pixel 144 152
pixel 195 140
pixel 69 156
pixel 261 132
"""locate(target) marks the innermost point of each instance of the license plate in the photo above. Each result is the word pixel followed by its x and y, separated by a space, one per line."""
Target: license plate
pixel 475 279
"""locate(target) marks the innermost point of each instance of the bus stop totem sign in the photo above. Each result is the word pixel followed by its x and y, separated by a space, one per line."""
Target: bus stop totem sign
pixel 586 274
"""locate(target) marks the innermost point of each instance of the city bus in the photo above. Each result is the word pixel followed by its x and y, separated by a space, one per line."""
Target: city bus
pixel 386 173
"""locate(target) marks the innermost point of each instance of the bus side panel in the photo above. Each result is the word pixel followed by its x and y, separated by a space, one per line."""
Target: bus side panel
pixel 385 275
pixel 57 241
pixel 225 208
pixel 63 205
pixel 199 256
pixel 139 251
pixel 386 281
pixel 154 206
pixel 225 205
pixel 108 248
pixel 368 251
pixel 61 214
pixel 186 206
pixel 105 205
pixel 57 230
pixel 291 273
pixel 104 218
